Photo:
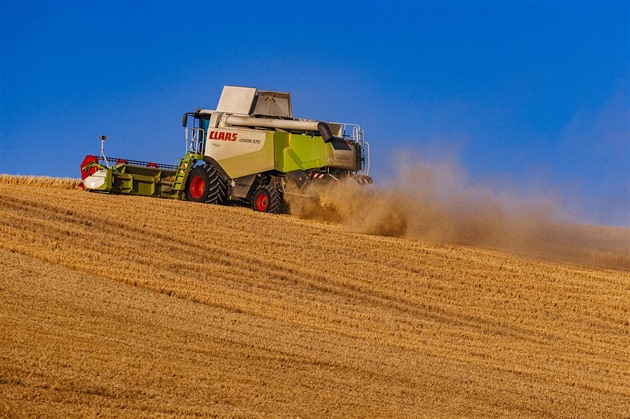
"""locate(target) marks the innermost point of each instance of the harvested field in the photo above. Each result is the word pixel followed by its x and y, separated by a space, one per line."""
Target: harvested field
pixel 128 306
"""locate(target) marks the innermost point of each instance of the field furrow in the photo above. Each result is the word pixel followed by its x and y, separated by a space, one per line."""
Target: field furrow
pixel 127 306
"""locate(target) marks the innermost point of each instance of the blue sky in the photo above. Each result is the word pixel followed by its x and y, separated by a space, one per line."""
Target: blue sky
pixel 527 96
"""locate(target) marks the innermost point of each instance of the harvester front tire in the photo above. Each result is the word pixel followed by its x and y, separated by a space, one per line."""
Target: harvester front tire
pixel 206 185
pixel 267 199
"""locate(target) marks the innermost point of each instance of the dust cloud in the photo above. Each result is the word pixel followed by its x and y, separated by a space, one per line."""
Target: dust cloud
pixel 435 202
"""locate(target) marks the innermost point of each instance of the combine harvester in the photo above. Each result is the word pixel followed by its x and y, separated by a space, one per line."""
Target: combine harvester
pixel 250 149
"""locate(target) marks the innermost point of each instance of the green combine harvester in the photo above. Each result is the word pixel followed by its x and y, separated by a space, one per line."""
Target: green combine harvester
pixel 250 149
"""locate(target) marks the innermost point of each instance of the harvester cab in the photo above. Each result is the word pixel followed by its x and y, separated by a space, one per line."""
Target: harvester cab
pixel 251 149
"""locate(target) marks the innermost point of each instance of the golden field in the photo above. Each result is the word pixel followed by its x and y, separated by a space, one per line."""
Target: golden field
pixel 130 306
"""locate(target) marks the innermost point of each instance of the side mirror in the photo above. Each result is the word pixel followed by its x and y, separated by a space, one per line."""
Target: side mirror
pixel 185 120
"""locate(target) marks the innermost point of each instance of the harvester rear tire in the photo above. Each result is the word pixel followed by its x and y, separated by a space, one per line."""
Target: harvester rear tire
pixel 267 199
pixel 206 185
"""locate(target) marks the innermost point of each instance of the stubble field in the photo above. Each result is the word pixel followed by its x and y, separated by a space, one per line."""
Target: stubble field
pixel 129 306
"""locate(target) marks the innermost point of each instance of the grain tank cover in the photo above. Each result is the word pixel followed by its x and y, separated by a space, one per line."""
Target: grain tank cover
pixel 239 100
pixel 250 101
pixel 273 104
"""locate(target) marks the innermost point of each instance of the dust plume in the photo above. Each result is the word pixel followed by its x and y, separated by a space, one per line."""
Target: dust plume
pixel 435 202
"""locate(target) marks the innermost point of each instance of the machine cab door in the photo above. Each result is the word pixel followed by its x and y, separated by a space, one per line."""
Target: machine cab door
pixel 196 129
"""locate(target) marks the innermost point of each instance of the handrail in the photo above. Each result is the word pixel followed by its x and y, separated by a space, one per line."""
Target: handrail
pixel 366 157
pixel 193 144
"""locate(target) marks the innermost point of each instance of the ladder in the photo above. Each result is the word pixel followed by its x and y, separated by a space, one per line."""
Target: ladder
pixel 183 169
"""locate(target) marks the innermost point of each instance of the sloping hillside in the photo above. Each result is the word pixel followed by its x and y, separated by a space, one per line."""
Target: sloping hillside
pixel 124 306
